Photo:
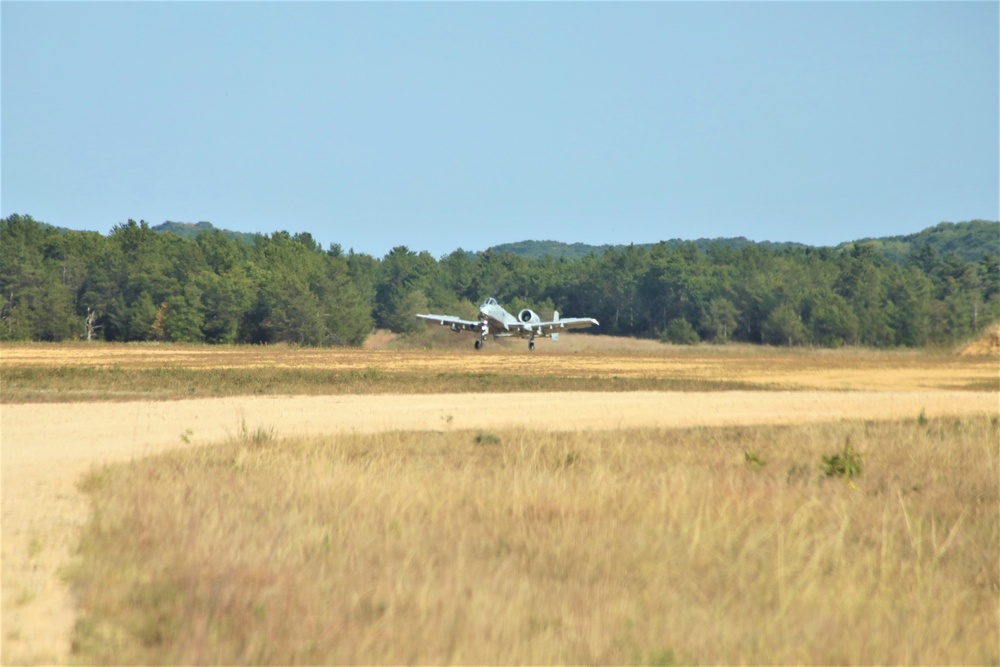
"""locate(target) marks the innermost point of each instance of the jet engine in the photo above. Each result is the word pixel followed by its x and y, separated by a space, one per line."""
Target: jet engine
pixel 528 316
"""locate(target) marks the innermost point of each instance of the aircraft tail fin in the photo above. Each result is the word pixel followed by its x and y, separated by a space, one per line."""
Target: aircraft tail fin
pixel 555 315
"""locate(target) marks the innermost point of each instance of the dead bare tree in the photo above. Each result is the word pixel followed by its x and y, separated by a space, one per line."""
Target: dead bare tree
pixel 92 327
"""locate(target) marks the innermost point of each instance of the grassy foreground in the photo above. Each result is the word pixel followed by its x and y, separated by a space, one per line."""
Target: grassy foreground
pixel 646 547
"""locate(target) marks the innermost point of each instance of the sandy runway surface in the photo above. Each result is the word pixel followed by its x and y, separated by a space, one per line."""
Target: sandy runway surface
pixel 47 447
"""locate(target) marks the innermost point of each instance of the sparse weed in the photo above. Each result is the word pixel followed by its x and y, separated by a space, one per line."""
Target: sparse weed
pixel 35 547
pixel 256 437
pixel 371 374
pixel 487 439
pixel 94 480
pixel 753 459
pixel 661 659
pixel 798 473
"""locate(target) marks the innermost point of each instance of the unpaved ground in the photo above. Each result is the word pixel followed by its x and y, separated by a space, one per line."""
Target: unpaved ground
pixel 47 447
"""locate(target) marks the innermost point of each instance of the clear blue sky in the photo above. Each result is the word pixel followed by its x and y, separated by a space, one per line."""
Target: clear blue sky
pixel 447 125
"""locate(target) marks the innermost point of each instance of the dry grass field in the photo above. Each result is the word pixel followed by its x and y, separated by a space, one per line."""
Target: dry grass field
pixel 388 505
pixel 717 546
pixel 38 372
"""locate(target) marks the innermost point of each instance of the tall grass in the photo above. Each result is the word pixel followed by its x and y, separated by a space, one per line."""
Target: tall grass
pixel 642 546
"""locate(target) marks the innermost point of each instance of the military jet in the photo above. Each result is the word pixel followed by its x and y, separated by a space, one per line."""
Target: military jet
pixel 493 319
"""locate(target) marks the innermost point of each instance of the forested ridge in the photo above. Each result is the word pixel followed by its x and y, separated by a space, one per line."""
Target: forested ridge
pixel 136 284
pixel 969 240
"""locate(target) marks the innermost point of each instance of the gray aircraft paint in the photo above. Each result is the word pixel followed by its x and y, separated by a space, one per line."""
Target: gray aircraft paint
pixel 496 321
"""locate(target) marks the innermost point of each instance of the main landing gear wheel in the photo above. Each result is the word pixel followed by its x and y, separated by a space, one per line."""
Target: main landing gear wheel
pixel 479 344
pixel 531 345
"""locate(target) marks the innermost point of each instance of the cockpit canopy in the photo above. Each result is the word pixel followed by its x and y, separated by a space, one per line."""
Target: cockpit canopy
pixel 490 302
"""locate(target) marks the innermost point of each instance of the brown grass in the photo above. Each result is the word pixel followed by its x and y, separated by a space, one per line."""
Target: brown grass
pixel 707 545
pixel 987 345
pixel 37 372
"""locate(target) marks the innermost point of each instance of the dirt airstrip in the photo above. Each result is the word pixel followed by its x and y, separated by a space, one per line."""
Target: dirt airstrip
pixel 46 447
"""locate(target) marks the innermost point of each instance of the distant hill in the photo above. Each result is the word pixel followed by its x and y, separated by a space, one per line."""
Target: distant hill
pixel 554 249
pixel 570 251
pixel 191 230
pixel 969 240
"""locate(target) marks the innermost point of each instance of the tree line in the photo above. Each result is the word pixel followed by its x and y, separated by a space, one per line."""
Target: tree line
pixel 137 285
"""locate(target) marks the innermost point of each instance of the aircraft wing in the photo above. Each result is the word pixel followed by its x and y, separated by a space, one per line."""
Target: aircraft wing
pixel 456 323
pixel 567 323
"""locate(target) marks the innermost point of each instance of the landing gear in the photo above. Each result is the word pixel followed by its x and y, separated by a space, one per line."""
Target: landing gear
pixel 531 345
pixel 484 331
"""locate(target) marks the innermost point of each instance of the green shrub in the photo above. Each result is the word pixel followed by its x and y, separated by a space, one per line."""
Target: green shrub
pixel 846 463
pixel 680 332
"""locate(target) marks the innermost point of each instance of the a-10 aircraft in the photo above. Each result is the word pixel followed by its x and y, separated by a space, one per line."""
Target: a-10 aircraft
pixel 493 319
